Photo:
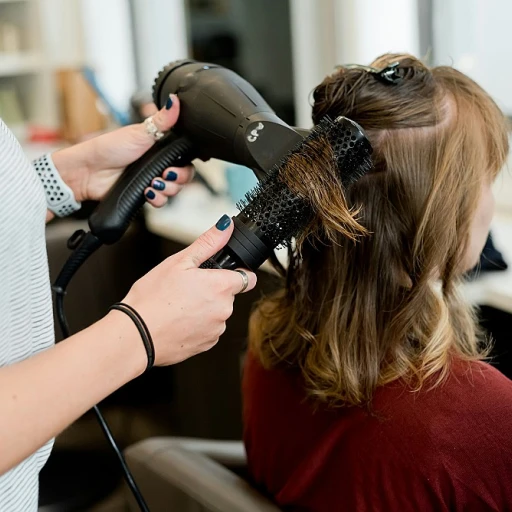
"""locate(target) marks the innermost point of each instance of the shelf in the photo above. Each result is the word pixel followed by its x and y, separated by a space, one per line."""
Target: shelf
pixel 13 64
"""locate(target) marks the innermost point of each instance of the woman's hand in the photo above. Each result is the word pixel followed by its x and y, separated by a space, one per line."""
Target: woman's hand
pixel 92 167
pixel 185 307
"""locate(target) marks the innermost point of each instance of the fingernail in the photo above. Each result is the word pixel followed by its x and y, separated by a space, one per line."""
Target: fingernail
pixel 158 185
pixel 168 105
pixel 150 194
pixel 171 176
pixel 223 222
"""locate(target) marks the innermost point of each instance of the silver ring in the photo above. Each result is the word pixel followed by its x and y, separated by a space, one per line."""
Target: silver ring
pixel 245 280
pixel 151 128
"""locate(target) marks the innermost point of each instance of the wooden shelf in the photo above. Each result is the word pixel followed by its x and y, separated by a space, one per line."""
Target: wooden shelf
pixel 14 64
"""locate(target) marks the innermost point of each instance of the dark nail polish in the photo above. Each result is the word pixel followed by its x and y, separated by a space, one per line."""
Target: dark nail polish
pixel 168 105
pixel 223 223
pixel 158 185
pixel 171 176
pixel 150 194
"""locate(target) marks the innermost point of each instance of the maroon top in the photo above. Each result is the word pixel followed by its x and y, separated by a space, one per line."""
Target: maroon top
pixel 449 448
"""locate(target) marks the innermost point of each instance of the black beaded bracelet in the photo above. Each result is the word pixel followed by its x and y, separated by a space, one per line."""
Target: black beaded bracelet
pixel 142 328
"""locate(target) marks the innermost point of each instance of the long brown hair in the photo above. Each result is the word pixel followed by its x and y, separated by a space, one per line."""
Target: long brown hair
pixel 355 315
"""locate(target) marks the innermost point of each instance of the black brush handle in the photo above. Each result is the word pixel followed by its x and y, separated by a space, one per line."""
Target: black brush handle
pixel 246 248
pixel 113 215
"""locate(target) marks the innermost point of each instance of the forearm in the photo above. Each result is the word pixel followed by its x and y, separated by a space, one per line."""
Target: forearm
pixel 73 165
pixel 41 396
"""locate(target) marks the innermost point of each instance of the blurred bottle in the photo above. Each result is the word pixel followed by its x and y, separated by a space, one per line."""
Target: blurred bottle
pixel 240 180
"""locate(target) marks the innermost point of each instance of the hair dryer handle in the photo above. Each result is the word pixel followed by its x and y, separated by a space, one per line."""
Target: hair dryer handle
pixel 113 215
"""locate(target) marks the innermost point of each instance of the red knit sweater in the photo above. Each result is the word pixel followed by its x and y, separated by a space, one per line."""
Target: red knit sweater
pixel 446 449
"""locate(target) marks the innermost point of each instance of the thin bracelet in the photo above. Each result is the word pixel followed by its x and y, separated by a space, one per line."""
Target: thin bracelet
pixel 142 328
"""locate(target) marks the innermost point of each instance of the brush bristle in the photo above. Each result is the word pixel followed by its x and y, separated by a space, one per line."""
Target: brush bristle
pixel 282 213
pixel 279 213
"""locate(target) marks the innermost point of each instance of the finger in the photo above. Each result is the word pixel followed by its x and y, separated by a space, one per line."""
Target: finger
pixel 248 280
pixel 167 116
pixel 208 244
pixel 155 197
pixel 233 281
pixel 166 188
pixel 181 175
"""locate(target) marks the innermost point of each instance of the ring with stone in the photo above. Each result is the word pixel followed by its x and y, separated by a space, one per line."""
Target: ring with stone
pixel 151 128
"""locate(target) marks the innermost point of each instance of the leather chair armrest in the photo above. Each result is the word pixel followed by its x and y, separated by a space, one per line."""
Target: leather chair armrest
pixel 188 475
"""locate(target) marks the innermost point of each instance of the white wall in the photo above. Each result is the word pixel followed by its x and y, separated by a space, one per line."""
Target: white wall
pixel 62 32
pixel 473 36
pixel 365 29
pixel 160 36
pixel 313 51
pixel 108 48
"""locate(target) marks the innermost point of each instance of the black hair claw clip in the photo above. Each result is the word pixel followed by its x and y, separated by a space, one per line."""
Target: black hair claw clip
pixel 391 74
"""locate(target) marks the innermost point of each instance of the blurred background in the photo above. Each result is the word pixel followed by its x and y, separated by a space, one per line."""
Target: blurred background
pixel 70 69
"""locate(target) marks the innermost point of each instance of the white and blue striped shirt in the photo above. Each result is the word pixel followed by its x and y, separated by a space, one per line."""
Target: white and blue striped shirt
pixel 26 319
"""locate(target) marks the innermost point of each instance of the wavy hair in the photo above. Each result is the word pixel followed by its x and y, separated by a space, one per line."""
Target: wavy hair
pixel 354 315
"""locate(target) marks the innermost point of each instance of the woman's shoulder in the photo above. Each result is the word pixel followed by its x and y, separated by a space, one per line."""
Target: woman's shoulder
pixel 465 422
pixel 469 387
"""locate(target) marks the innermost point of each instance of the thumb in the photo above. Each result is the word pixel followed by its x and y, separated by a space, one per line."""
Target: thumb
pixel 208 244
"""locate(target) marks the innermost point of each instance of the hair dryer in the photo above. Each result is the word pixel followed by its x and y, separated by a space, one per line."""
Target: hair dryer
pixel 222 116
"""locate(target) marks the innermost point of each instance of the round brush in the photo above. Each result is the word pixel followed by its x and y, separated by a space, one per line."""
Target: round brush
pixel 318 170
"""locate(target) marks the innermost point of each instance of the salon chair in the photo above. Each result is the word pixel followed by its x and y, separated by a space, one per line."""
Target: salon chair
pixel 193 475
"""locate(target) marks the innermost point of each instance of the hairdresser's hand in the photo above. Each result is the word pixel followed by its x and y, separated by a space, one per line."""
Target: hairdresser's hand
pixel 92 167
pixel 185 307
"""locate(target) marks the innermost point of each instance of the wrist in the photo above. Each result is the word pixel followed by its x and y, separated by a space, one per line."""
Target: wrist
pixel 74 169
pixel 128 350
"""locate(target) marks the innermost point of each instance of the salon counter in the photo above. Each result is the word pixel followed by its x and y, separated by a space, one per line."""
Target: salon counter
pixel 194 210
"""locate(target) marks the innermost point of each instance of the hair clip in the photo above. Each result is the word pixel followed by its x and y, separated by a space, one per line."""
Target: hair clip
pixel 391 74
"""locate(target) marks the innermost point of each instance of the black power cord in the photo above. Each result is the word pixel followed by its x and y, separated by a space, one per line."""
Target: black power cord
pixel 60 293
